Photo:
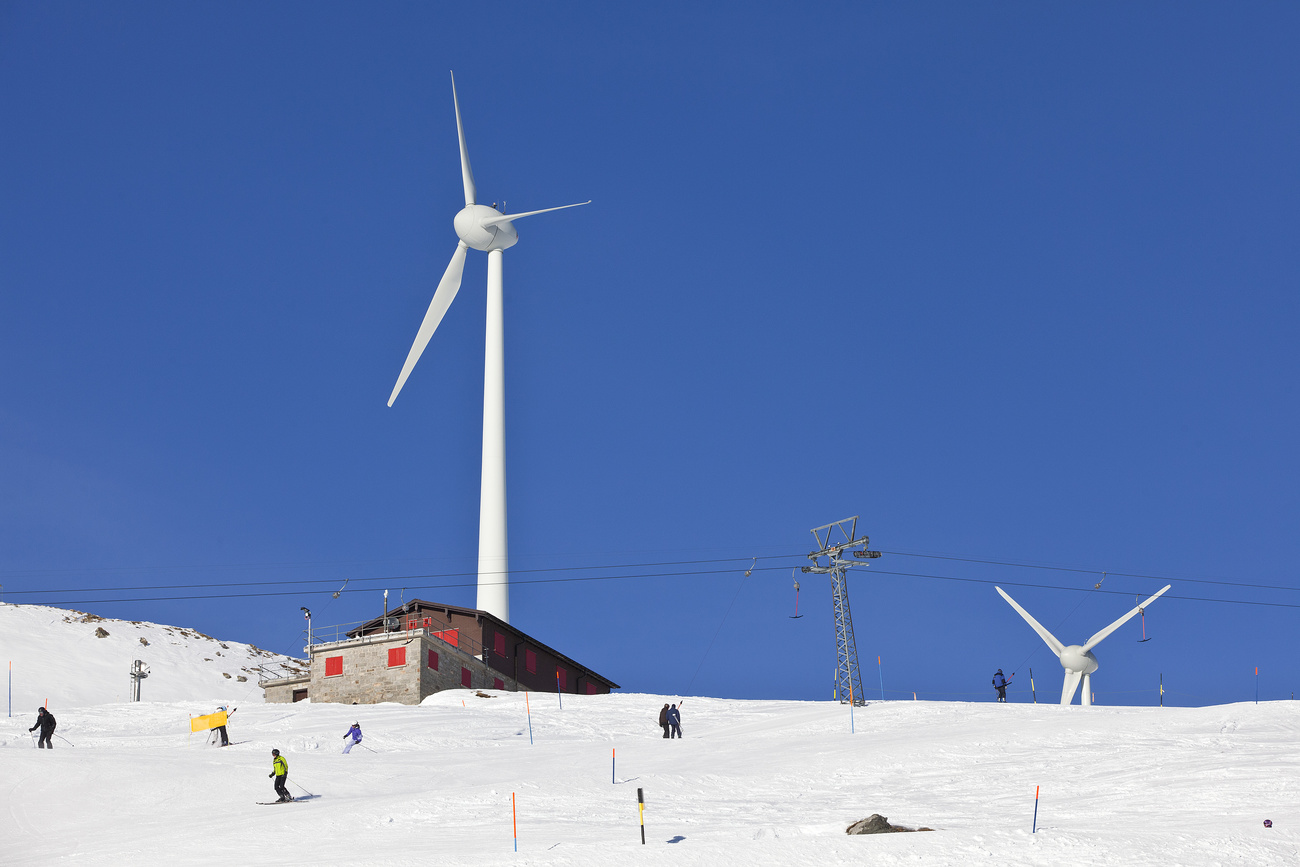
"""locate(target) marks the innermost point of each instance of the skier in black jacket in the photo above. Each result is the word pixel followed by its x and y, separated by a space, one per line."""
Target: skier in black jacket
pixel 46 722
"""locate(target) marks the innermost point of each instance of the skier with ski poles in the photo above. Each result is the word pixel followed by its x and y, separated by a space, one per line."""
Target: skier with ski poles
pixel 355 734
pixel 1000 683
pixel 221 729
pixel 46 722
pixel 280 770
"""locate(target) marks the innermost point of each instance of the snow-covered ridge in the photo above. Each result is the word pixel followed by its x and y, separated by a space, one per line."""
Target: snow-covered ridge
pixel 74 659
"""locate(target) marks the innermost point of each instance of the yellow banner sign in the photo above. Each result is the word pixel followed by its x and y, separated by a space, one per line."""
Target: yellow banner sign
pixel 210 721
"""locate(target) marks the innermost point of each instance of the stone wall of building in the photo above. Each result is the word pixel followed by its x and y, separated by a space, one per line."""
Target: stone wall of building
pixel 281 691
pixel 367 678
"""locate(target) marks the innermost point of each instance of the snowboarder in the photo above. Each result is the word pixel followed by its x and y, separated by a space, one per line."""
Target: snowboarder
pixel 355 734
pixel 221 729
pixel 46 722
pixel 663 720
pixel 280 770
pixel 675 720
pixel 1000 684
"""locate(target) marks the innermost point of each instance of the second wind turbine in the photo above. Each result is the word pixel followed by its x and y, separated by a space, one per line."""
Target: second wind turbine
pixel 487 229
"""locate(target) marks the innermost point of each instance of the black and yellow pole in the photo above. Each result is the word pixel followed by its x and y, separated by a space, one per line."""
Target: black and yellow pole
pixel 640 806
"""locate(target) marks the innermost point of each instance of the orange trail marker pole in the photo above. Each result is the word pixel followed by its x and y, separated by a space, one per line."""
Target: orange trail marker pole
pixel 530 718
pixel 1257 684
pixel 514 823
pixel 880 670
pixel 613 778
pixel 1035 831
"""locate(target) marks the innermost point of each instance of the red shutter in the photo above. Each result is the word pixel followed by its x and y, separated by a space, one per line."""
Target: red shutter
pixel 464 677
pixel 499 644
pixel 498 683
pixel 451 636
pixel 433 659
pixel 530 661
pixel 396 657
pixel 333 666
pixel 591 689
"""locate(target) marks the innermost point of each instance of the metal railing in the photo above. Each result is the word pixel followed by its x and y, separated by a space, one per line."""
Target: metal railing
pixel 396 626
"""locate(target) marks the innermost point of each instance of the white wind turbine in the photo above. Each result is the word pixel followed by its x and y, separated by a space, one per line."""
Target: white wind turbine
pixel 483 228
pixel 1077 659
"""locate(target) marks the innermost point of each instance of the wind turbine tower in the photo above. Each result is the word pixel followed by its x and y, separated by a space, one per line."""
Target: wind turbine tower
pixel 481 227
pixel 1077 659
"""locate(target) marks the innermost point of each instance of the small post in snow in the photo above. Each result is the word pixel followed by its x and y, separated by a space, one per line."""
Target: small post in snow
pixel 1162 689
pixel 514 823
pixel 880 670
pixel 640 806
pixel 850 705
pixel 530 718
pixel 558 691
pixel 1035 830
pixel 1033 692
pixel 613 767
pixel 1257 684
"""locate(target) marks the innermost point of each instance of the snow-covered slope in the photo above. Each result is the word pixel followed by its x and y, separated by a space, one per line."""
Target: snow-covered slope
pixel 753 783
pixel 73 659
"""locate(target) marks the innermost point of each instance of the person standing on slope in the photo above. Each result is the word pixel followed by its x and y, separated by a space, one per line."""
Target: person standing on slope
pixel 46 722
pixel 663 720
pixel 1000 684
pixel 675 720
pixel 280 770
pixel 355 734
pixel 221 729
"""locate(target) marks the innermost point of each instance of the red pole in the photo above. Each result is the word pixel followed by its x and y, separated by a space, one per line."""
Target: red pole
pixel 514 824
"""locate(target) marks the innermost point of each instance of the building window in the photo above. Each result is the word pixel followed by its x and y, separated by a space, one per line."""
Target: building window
pixel 333 666
pixel 562 678
pixel 433 659
pixel 464 677
pixel 530 661
pixel 396 657
pixel 499 644
pixel 498 683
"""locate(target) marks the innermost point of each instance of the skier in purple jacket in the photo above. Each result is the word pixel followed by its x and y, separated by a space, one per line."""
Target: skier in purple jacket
pixel 355 734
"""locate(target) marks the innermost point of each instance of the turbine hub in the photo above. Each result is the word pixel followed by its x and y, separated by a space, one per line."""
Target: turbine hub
pixel 1075 658
pixel 470 229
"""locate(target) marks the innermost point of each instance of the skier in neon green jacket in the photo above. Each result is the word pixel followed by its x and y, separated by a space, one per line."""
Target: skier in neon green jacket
pixel 280 770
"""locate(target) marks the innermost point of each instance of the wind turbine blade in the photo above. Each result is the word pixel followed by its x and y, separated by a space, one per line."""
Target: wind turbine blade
pixel 1096 639
pixel 1071 684
pixel 1057 647
pixel 506 218
pixel 466 174
pixel 448 286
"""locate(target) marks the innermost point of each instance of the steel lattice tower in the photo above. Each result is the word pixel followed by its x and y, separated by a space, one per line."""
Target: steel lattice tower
pixel 848 676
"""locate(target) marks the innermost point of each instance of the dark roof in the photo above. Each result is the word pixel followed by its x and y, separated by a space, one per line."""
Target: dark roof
pixel 481 615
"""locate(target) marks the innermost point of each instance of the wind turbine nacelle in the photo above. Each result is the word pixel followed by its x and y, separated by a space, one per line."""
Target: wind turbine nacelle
pixel 1075 658
pixel 470 228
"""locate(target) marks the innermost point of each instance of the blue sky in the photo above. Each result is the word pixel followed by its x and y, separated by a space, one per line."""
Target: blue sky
pixel 1013 283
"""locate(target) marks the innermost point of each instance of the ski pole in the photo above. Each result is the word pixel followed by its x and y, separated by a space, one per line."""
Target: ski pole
pixel 309 794
pixel 65 740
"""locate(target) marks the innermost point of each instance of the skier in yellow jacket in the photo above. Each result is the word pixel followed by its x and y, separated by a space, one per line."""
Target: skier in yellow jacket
pixel 280 770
